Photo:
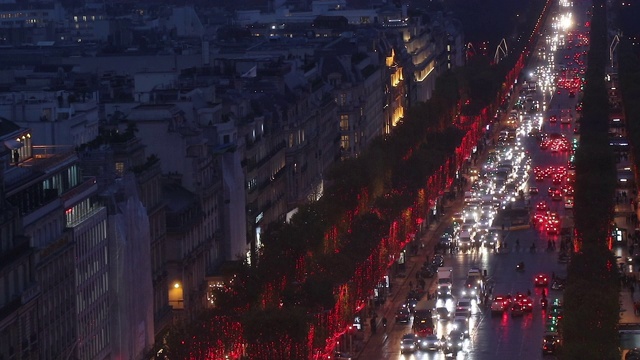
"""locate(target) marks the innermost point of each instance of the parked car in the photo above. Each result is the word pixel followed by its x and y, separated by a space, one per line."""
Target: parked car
pixel 402 315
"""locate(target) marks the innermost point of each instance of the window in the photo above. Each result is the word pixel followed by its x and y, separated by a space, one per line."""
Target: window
pixel 344 122
pixel 344 142
pixel 343 99
pixel 119 169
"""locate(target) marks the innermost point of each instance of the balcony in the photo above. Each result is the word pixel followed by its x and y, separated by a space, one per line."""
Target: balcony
pixel 82 191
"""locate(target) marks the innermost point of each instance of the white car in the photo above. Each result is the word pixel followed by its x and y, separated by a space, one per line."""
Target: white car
pixel 409 343
pixel 464 306
pixel 430 342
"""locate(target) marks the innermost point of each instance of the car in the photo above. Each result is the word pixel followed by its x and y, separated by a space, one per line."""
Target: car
pixel 553 118
pixel 461 324
pixel 444 289
pixel 550 343
pixel 500 304
pixel 402 315
pixel 455 341
pixel 423 327
pixel 541 280
pixel 443 313
pixel 527 304
pixel 461 313
pixel 438 260
pixel 411 303
pixel 552 228
pixel 492 238
pixel 429 342
pixel 568 203
pixel 464 304
pixel 533 190
pixel 516 310
pixel 445 241
pixel 470 288
pixel 409 343
pixel 542 206
pixel 422 314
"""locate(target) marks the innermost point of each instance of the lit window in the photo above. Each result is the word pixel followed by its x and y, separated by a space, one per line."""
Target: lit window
pixel 344 122
pixel 344 142
pixel 119 169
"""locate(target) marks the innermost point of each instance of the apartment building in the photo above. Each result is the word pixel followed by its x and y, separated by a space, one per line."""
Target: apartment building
pixel 46 187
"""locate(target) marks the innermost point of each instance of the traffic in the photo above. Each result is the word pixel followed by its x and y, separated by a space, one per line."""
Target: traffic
pixel 494 280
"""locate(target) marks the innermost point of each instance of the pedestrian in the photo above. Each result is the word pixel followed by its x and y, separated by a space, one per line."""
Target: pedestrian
pixel 410 284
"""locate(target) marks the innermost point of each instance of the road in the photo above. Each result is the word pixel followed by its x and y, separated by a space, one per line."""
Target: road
pixel 504 337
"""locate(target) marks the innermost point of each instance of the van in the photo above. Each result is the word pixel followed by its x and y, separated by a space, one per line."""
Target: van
pixel 464 238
